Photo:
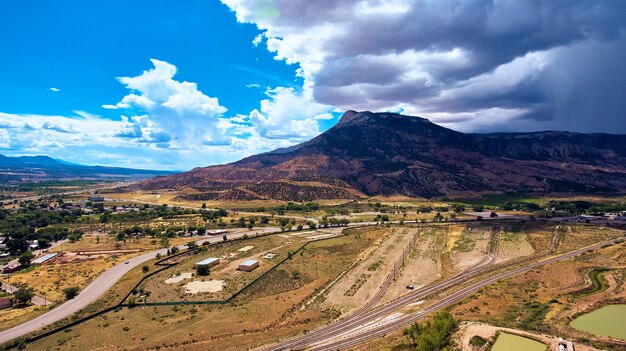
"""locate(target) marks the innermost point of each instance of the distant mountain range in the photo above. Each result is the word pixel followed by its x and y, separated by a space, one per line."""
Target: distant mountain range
pixel 39 168
pixel 390 154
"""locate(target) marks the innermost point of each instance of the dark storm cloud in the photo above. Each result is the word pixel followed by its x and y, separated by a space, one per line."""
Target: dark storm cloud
pixel 512 64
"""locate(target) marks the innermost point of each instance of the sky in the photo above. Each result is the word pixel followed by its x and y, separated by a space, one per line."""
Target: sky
pixel 175 85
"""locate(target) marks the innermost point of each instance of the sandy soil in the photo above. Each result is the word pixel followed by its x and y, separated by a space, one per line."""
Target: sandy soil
pixel 178 278
pixel 469 329
pixel 470 248
pixel 513 245
pixel 210 286
pixel 360 284
pixel 421 268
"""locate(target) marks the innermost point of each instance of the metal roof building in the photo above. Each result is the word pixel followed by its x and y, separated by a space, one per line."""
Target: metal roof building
pixel 211 261
pixel 249 265
pixel 44 258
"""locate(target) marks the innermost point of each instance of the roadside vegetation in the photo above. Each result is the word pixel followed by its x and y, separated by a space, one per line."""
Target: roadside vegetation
pixel 434 334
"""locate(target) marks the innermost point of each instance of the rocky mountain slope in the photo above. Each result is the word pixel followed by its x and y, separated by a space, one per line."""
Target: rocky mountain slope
pixel 387 154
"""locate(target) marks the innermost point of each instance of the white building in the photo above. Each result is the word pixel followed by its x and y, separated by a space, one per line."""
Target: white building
pixel 210 262
pixel 249 265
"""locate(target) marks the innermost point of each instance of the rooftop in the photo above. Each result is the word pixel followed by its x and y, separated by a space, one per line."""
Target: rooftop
pixel 249 263
pixel 207 261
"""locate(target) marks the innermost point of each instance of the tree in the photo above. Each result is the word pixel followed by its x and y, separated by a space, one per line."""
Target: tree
pixel 165 241
pixel 191 245
pixel 203 205
pixel 23 296
pixel 25 259
pixel 458 208
pixel 202 270
pixel 145 269
pixel 105 217
pixel 433 335
pixel 224 238
pixel 71 292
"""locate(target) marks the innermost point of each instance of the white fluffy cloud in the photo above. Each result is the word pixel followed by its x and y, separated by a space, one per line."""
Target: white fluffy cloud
pixel 168 113
pixel 287 114
pixel 449 58
pixel 167 123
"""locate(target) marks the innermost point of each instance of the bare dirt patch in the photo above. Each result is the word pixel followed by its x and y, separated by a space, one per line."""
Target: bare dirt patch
pixel 211 286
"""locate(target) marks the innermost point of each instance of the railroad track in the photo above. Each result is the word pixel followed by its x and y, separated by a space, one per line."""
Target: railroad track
pixel 358 337
pixel 396 267
pixel 355 320
pixel 322 338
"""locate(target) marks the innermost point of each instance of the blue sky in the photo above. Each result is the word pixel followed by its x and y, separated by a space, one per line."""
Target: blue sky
pixel 80 47
pixel 177 85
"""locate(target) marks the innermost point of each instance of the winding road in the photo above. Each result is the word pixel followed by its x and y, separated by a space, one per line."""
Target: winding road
pixel 99 287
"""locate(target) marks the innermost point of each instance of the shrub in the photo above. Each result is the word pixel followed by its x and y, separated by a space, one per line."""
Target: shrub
pixel 477 341
pixel 71 292
pixel 202 270
pixel 23 296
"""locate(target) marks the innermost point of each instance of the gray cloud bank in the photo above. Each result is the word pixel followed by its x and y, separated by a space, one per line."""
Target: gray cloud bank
pixel 473 65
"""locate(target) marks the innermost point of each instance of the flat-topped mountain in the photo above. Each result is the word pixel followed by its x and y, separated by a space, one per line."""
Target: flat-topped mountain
pixel 370 153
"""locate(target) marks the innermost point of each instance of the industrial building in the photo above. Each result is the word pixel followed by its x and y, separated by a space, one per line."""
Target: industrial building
pixel 44 258
pixel 210 262
pixel 249 265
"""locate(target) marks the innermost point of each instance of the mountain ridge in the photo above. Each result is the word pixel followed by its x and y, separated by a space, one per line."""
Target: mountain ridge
pixel 369 153
pixel 40 167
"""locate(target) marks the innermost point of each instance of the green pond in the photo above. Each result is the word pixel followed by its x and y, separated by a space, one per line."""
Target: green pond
pixel 510 342
pixel 606 321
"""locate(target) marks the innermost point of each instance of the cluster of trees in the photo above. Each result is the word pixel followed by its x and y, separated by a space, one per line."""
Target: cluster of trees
pixel 31 223
pixel 170 232
pixel 588 207
pixel 381 218
pixel 213 215
pixel 433 335
pixel 521 206
pixel 147 213
pixel 297 207
pixel 334 222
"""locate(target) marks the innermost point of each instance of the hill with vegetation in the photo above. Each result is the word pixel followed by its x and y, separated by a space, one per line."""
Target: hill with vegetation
pixel 370 153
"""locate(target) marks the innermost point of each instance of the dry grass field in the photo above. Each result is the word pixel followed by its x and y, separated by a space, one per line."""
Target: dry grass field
pixel 13 316
pixel 107 242
pixel 230 256
pixel 270 310
pixel 361 283
pixel 49 280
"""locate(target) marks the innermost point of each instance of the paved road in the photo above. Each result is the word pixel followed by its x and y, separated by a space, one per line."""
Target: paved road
pixel 385 319
pixel 100 286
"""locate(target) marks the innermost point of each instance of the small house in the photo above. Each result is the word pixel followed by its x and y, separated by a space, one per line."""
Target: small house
pixel 5 302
